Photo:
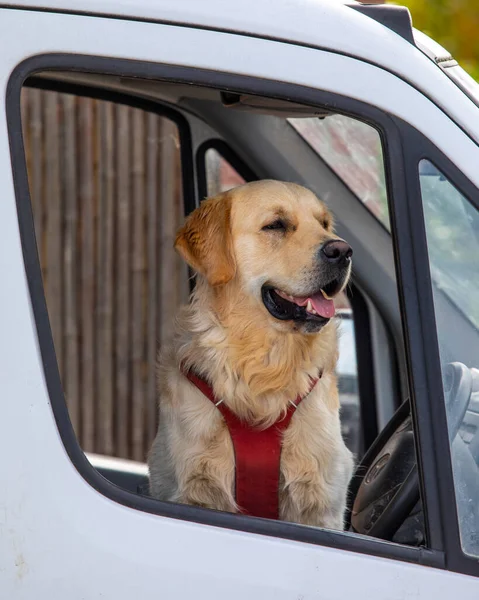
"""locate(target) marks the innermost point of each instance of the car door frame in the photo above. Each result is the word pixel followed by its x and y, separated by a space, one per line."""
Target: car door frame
pixel 238 522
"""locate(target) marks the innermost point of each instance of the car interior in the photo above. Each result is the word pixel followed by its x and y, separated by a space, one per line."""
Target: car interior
pixel 227 137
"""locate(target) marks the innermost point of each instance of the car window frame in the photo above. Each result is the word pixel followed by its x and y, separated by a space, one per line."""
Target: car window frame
pixel 397 186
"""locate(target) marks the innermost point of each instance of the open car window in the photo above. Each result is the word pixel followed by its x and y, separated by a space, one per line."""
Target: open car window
pixel 109 189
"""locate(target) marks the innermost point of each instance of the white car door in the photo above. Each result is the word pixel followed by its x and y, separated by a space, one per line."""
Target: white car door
pixel 62 536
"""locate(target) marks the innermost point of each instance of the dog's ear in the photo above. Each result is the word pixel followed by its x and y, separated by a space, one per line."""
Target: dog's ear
pixel 205 242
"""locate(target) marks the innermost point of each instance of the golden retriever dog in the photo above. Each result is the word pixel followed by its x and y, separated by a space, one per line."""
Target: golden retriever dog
pixel 259 328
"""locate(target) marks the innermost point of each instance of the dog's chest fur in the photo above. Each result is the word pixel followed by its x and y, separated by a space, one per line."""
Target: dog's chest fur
pixel 192 458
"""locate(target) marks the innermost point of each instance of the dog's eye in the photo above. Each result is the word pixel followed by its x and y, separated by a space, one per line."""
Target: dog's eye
pixel 325 223
pixel 278 224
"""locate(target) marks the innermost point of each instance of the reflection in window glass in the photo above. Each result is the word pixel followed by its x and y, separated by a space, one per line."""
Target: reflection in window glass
pixel 353 151
pixel 452 231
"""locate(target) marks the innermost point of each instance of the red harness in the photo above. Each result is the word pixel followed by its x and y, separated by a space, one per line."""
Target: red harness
pixel 257 454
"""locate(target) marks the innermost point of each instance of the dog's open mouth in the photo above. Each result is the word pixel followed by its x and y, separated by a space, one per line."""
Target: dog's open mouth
pixel 317 307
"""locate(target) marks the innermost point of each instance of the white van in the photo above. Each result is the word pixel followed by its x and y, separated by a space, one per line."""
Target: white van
pixel 114 111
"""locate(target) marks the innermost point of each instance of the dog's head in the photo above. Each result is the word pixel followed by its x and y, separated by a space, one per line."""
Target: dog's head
pixel 276 242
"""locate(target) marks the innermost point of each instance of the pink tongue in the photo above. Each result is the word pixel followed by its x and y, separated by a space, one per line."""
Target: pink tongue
pixel 323 306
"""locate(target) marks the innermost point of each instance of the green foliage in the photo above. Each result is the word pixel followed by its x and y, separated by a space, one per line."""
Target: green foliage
pixel 452 23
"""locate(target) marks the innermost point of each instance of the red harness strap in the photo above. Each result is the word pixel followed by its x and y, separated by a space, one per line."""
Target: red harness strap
pixel 257 455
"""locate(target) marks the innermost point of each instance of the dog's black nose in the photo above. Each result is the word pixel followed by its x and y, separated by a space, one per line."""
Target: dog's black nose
pixel 336 251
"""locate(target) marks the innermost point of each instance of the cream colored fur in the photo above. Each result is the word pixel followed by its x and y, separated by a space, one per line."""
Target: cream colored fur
pixel 255 363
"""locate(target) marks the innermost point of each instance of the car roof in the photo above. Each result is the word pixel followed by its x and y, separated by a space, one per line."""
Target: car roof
pixel 331 24
pixel 334 25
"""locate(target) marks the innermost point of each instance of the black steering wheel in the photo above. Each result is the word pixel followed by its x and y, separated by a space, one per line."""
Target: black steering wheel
pixel 385 486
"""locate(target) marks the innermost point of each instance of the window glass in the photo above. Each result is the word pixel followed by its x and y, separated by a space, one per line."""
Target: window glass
pixel 353 151
pixel 220 175
pixel 452 230
pixel 105 184
pixel 347 374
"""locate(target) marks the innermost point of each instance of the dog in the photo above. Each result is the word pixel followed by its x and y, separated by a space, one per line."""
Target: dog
pixel 259 328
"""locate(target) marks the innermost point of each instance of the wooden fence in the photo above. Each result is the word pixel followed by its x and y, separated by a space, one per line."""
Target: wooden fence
pixel 106 193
